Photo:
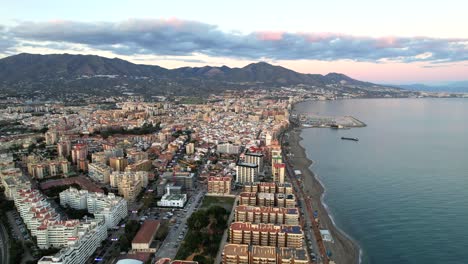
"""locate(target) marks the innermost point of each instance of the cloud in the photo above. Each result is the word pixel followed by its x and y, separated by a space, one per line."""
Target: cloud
pixel 174 37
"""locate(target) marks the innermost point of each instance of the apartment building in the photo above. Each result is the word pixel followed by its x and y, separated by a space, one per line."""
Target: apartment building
pixel 91 233
pixel 129 188
pixel 129 183
pixel 41 169
pixel 99 172
pixel 118 163
pixel 219 185
pixel 184 179
pixel 50 231
pixel 246 172
pixel 254 158
pixel 79 152
pixel 245 254
pixel 267 199
pixel 109 207
pixel 266 234
pixel 267 215
pixel 135 156
pixel 228 148
pixel 278 172
pixel 13 180
pixel 64 148
pixel 268 187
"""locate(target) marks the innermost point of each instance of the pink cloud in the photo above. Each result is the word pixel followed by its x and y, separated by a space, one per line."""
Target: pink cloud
pixel 270 35
pixel 387 42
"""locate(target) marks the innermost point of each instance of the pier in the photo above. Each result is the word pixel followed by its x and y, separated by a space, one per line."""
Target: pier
pixel 336 122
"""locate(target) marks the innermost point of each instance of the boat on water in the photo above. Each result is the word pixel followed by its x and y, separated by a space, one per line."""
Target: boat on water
pixel 350 138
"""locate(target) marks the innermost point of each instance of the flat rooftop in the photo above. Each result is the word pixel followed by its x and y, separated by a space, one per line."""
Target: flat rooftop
pixel 236 250
pixel 246 164
pixel 264 252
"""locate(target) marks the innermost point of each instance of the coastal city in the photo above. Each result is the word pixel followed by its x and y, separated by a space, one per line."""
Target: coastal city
pixel 166 181
pixel 233 132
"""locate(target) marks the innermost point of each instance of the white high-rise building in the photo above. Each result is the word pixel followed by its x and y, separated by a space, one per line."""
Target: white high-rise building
pixel 255 158
pixel 228 148
pixel 246 172
pixel 73 198
pixel 109 207
pixel 50 231
pixel 90 235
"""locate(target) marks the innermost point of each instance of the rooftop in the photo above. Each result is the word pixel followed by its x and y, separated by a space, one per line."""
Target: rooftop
pixel 245 164
pixel 236 249
pixel 264 252
pixel 146 232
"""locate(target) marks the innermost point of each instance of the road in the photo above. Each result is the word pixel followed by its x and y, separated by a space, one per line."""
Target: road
pixel 317 241
pixel 4 251
pixel 171 243
pixel 225 234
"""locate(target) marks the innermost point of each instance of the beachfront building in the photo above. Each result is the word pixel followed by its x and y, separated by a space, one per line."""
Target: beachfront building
pixel 219 185
pixel 278 172
pixel 268 187
pixel 266 234
pixel 246 172
pixel 267 199
pixel 267 215
pixel 245 254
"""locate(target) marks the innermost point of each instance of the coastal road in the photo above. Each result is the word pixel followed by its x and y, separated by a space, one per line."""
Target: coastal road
pixel 4 251
pixel 300 195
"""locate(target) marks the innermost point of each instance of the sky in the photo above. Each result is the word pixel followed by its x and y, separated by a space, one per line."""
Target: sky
pixel 379 41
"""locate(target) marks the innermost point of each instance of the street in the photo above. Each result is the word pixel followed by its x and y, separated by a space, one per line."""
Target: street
pixel 4 251
pixel 176 234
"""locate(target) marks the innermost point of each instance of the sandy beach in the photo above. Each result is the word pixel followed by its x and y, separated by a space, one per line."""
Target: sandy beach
pixel 344 250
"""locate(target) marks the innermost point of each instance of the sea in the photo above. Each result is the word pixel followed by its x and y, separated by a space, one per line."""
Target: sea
pixel 401 191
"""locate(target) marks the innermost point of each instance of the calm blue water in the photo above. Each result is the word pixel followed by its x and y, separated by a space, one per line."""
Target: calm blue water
pixel 402 191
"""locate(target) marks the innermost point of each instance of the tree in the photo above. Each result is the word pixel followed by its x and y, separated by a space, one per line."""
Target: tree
pixel 124 243
pixel 200 259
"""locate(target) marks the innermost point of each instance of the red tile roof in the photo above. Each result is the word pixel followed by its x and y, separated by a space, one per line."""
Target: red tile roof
pixel 146 232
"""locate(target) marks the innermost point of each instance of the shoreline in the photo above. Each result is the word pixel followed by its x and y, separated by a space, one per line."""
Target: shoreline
pixel 344 249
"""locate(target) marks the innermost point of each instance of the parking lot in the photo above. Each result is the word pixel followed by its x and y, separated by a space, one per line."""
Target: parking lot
pixel 20 232
pixel 178 229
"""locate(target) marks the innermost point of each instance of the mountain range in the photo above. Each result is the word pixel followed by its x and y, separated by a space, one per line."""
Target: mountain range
pixel 64 74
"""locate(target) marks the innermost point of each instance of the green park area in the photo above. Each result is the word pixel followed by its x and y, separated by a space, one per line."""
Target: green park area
pixel 205 230
pixel 225 202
